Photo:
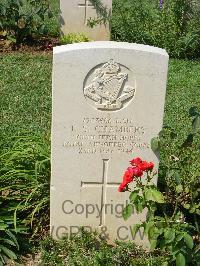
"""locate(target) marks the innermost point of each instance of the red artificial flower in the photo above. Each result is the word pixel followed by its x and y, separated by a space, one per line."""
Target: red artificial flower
pixel 136 161
pixel 145 166
pixel 130 171
pixel 137 172
pixel 127 178
pixel 151 166
pixel 121 188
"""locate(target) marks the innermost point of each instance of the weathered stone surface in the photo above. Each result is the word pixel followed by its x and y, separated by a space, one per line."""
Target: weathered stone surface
pixel 74 17
pixel 108 102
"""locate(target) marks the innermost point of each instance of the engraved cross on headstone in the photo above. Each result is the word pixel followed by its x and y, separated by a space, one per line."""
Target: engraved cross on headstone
pixel 86 5
pixel 104 184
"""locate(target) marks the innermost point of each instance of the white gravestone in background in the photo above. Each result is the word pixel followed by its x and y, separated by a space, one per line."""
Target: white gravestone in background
pixel 75 15
pixel 108 102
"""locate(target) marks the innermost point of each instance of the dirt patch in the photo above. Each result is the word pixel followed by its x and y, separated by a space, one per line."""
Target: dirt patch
pixel 28 260
pixel 31 260
pixel 43 45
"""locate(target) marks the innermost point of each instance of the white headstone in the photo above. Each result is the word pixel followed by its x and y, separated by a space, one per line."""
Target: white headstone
pixel 75 15
pixel 108 102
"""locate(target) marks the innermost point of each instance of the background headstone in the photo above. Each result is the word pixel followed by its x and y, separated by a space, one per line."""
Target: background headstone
pixel 74 17
pixel 108 103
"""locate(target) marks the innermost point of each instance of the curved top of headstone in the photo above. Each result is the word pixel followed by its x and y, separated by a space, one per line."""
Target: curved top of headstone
pixel 107 45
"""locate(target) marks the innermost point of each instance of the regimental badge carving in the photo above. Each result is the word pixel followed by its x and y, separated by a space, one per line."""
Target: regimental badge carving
pixel 108 89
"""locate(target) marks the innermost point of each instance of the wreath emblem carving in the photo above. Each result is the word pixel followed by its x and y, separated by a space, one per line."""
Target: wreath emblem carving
pixel 108 89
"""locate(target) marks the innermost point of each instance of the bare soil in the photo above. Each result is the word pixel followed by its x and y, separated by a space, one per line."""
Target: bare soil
pixel 40 46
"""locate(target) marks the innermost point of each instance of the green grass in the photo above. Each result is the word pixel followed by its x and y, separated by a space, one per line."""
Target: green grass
pixel 25 89
pixel 183 91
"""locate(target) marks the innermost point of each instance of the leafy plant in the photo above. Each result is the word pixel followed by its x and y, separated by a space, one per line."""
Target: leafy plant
pixel 181 168
pixel 172 221
pixel 174 25
pixel 8 242
pixel 24 181
pixel 9 246
pixel 24 19
pixel 74 38
pixel 170 233
pixel 88 248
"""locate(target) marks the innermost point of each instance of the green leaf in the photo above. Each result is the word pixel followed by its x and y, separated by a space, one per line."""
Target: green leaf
pixel 135 229
pixel 11 38
pixel 10 242
pixel 153 244
pixel 187 189
pixel 198 211
pixel 180 260
pixel 148 195
pixel 165 263
pixel 155 144
pixel 148 226
pixel 188 240
pixel 179 237
pixel 160 224
pixel 12 236
pixel 3 227
pixel 186 206
pixel 169 235
pixel 197 249
pixel 150 215
pixel 154 195
pixel 177 178
pixel 127 211
pixel 158 196
pixel 179 188
pixel 154 233
pixel 9 253
pixel 139 206
pixel 192 208
pixel 2 261
pixel 133 195
pixel 196 124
